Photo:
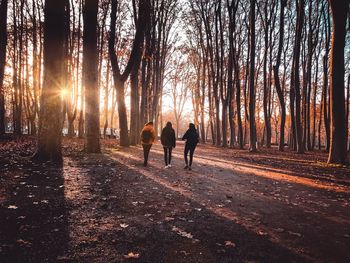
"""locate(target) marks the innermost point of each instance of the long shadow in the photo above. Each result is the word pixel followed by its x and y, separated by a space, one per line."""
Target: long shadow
pixel 33 221
pixel 143 204
pixel 251 175
pixel 309 167
pixel 285 171
pixel 332 222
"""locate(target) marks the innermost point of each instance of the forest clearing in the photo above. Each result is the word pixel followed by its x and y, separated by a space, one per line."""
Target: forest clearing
pixel 232 207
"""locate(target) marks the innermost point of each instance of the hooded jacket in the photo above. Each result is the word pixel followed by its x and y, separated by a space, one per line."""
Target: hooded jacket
pixel 191 136
pixel 152 137
pixel 167 137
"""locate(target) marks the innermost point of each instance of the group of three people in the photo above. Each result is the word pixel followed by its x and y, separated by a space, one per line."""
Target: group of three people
pixel 168 140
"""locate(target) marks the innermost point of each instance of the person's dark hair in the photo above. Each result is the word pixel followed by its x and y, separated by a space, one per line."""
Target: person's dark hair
pixel 168 124
pixel 191 126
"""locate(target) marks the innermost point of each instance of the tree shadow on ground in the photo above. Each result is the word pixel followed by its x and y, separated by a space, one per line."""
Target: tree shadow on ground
pixel 33 221
pixel 139 215
pixel 294 213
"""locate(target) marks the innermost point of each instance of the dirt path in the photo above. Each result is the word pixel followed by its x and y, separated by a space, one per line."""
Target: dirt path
pixel 306 216
pixel 229 208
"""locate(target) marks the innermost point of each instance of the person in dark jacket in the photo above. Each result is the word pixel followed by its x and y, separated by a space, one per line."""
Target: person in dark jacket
pixel 168 141
pixel 192 138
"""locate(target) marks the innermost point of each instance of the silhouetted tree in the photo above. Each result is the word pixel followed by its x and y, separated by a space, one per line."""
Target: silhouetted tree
pixel 338 151
pixel 90 77
pixel 50 118
pixel 3 44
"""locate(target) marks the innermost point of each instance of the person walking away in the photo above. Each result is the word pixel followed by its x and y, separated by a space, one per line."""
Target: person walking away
pixel 192 138
pixel 168 141
pixel 148 136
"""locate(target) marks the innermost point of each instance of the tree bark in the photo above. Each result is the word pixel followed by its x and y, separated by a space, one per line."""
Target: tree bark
pixel 252 128
pixel 277 79
pixel 120 78
pixel 90 77
pixel 3 44
pixel 298 36
pixel 338 151
pixel 50 124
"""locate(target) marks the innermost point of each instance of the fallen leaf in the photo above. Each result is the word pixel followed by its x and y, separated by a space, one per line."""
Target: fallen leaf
pixel 132 255
pixel 294 233
pixel 229 243
pixel 262 233
pixel 182 233
pixel 184 252
pixel 124 225
pixel 23 242
pixel 12 207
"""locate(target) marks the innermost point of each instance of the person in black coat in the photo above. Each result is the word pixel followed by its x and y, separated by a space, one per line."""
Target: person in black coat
pixel 168 141
pixel 192 138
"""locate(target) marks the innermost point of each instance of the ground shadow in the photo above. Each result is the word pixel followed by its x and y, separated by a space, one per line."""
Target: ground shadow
pixel 33 221
pixel 156 220
pixel 302 216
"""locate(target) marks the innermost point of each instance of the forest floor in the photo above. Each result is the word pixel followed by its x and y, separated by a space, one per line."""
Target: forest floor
pixel 233 206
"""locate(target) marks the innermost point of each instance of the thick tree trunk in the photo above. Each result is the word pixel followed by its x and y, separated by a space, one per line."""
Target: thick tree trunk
pixel 90 77
pixel 298 36
pixel 3 44
pixel 134 103
pixel 50 129
pixel 123 120
pixel 252 127
pixel 338 151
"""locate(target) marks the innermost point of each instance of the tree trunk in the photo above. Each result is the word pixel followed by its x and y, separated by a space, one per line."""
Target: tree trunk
pixel 325 102
pixel 277 79
pixel 338 151
pixel 267 118
pixel 134 103
pixel 252 128
pixel 123 120
pixel 3 44
pixel 90 77
pixel 120 78
pixel 50 129
pixel 347 113
pixel 298 36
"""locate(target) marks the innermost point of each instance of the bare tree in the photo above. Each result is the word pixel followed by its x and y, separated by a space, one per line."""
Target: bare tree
pixel 118 76
pixel 276 76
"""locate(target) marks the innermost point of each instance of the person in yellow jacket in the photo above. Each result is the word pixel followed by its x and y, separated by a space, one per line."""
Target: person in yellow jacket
pixel 148 136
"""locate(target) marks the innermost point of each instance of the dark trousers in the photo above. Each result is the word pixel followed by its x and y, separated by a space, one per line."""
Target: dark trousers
pixel 167 154
pixel 189 148
pixel 146 149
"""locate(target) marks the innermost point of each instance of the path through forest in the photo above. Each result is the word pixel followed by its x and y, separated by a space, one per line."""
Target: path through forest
pixel 232 207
